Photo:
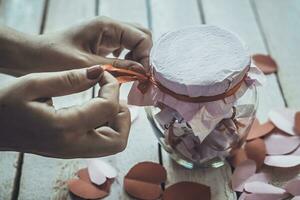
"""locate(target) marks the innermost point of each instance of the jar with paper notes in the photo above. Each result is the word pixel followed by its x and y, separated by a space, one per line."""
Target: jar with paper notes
pixel 202 97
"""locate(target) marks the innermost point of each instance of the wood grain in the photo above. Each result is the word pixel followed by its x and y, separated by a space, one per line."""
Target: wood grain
pixel 43 178
pixel 281 26
pixel 220 13
pixel 24 16
pixel 244 22
pixel 177 14
pixel 142 144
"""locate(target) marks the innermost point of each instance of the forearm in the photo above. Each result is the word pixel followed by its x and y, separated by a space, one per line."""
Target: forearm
pixel 16 49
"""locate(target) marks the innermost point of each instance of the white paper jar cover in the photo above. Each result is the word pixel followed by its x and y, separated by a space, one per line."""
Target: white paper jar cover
pixel 198 61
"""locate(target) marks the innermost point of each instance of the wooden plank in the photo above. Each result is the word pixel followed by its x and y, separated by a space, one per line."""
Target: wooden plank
pixel 177 14
pixel 281 25
pixel 243 22
pixel 10 14
pixel 43 178
pixel 142 144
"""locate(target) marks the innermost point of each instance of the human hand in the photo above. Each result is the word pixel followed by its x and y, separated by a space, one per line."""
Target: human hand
pixel 30 123
pixel 88 44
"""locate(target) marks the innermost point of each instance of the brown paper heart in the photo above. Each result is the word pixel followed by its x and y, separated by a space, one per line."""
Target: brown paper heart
pixel 259 130
pixel 85 190
pixel 297 122
pixel 83 174
pixel 187 191
pixel 143 180
pixel 239 156
pixel 80 190
pixel 142 190
pixel 256 150
pixel 265 63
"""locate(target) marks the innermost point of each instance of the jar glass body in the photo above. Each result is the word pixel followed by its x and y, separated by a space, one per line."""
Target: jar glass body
pixel 217 146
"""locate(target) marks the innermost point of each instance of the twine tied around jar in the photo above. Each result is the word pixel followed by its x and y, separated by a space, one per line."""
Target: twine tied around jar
pixel 126 75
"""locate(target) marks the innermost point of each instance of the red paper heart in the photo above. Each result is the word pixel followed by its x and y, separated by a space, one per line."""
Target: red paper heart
pixel 143 180
pixel 259 130
pixel 187 191
pixel 297 122
pixel 85 190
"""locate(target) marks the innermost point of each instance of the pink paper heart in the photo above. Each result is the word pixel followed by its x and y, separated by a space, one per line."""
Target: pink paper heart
pixel 265 196
pixel 295 152
pixel 282 161
pixel 99 170
pixel 241 173
pixel 257 187
pixel 261 177
pixel 279 144
pixel 293 186
pixel 284 119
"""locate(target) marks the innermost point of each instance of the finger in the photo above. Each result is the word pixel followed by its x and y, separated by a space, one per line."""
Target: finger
pixel 95 112
pixel 119 63
pixel 138 42
pixel 52 84
pixel 140 27
pixel 106 140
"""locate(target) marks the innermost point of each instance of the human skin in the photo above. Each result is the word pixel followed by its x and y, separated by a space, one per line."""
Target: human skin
pixel 63 63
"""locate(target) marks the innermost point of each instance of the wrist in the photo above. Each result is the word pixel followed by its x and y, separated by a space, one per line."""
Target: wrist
pixel 15 50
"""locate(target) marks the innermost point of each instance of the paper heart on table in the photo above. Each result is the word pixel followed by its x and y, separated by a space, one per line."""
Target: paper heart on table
pixel 259 130
pixel 99 171
pixel 84 188
pixel 283 161
pixel 265 63
pixel 284 119
pixel 241 173
pixel 187 190
pixel 293 186
pixel 297 122
pixel 279 143
pixel 143 180
pixel 262 188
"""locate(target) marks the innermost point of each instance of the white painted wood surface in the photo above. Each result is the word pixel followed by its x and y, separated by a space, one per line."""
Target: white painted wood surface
pixel 25 17
pixel 167 15
pixel 43 178
pixel 280 22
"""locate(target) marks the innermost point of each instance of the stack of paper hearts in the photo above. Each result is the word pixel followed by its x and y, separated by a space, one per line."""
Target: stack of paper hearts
pixel 93 182
pixel 143 181
pixel 275 143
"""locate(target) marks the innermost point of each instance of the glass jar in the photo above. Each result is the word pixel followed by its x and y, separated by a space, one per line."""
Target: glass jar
pixel 216 147
pixel 201 94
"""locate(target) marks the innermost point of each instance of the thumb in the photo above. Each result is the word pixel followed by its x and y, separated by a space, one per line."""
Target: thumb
pixel 63 83
pixel 119 63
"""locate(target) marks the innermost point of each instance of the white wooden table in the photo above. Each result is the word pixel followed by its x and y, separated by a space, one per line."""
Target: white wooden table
pixel 268 26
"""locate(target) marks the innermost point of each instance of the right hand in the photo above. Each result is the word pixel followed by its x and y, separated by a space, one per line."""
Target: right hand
pixel 30 123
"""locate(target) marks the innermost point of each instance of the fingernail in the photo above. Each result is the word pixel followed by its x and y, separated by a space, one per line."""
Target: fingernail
pixel 94 72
